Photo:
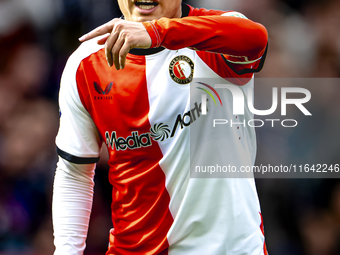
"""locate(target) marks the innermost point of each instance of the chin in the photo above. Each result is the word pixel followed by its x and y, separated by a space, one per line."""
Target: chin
pixel 146 17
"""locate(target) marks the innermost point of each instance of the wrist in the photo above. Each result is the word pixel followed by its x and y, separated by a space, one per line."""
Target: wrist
pixel 153 33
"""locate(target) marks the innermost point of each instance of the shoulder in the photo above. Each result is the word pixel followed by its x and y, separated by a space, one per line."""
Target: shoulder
pixel 205 12
pixel 68 92
pixel 85 50
pixel 234 14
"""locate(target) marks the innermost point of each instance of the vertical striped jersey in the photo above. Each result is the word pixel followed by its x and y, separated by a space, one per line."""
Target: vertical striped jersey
pixel 143 114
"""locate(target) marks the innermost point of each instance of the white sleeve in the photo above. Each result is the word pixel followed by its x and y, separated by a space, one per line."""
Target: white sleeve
pixel 78 139
pixel 71 206
pixel 78 146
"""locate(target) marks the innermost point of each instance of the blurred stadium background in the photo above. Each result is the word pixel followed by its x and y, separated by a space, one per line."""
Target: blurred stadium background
pixel 301 216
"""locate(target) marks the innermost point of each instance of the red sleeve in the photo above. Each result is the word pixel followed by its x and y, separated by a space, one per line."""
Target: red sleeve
pixel 234 36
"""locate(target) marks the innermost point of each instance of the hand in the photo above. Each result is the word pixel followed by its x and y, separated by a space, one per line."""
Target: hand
pixel 124 35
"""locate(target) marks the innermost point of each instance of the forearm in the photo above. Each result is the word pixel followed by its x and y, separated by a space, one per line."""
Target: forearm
pixel 220 34
pixel 71 208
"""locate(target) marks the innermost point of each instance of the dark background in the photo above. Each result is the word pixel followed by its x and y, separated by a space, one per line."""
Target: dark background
pixel 301 216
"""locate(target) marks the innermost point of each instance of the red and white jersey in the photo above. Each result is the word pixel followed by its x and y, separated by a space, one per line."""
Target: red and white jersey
pixel 156 207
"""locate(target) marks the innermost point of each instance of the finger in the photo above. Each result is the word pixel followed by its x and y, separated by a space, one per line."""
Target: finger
pixel 116 50
pixel 101 30
pixel 96 32
pixel 102 40
pixel 111 40
pixel 108 56
pixel 122 55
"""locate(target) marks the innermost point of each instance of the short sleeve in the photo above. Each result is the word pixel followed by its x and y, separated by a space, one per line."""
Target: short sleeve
pixel 78 140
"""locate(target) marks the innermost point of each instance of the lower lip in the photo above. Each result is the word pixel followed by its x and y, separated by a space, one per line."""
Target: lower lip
pixel 146 11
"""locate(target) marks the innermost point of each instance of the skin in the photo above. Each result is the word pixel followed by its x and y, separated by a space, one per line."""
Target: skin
pixel 165 8
pixel 130 33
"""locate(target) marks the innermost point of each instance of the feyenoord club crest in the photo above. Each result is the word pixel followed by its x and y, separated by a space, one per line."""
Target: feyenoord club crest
pixel 181 69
